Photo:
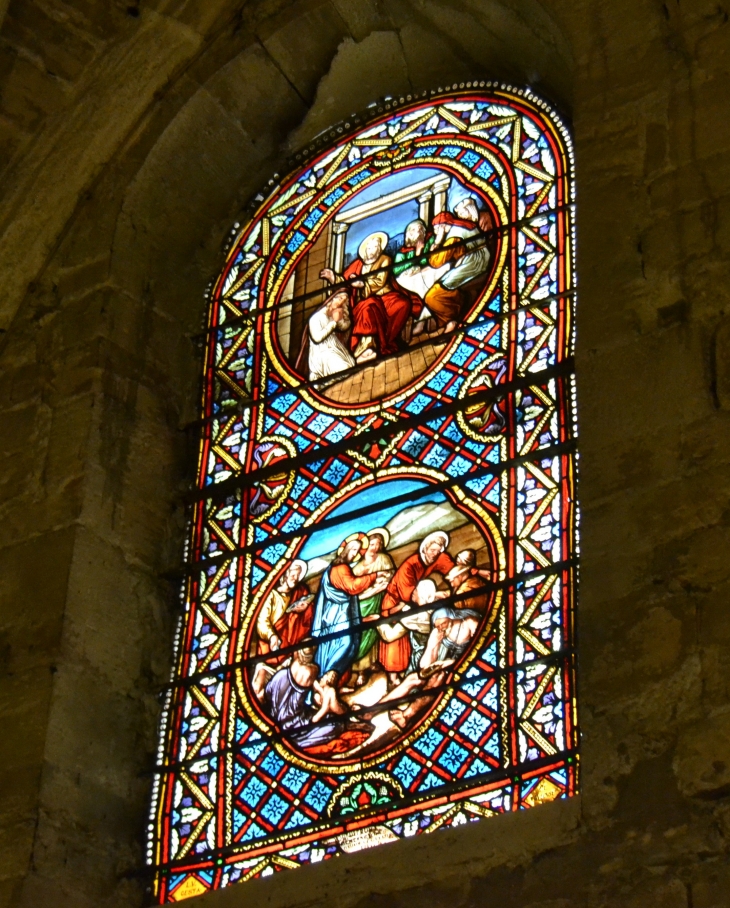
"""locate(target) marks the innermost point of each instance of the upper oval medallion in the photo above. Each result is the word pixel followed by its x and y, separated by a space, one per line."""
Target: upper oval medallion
pixel 377 297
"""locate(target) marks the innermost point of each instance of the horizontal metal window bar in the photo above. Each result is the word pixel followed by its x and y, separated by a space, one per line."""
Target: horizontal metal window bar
pixel 493 673
pixel 317 384
pixel 329 289
pixel 306 531
pixel 214 491
pixel 410 800
pixel 469 244
pixel 485 587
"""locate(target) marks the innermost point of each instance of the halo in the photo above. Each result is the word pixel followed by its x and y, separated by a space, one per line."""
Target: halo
pixel 359 537
pixel 384 535
pixel 436 536
pixel 383 237
pixel 302 565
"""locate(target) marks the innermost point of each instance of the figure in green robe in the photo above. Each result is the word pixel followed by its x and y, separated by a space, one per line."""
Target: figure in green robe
pixel 375 560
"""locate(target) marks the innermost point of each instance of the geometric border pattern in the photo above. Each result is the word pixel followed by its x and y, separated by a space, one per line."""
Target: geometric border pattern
pixel 230 802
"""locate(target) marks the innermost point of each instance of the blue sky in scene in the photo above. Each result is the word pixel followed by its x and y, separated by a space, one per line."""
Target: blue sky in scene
pixel 395 220
pixel 328 539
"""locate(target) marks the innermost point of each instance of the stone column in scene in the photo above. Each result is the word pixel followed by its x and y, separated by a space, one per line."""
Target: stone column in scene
pixel 337 255
pixel 439 195
pixel 424 206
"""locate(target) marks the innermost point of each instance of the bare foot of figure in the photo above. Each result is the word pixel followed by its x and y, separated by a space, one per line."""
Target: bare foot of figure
pixel 398 717
pixel 451 326
pixel 406 714
pixel 365 349
pixel 366 356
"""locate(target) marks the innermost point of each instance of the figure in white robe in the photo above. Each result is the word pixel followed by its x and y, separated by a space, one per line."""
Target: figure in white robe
pixel 327 353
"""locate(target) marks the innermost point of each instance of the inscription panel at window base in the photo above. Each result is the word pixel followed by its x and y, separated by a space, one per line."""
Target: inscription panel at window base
pixel 377 636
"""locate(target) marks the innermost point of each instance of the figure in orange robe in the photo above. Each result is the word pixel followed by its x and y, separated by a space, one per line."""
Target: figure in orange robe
pixel 459 240
pixel 286 615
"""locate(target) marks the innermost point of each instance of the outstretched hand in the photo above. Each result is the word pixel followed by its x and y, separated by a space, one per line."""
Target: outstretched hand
pixel 380 583
pixel 327 274
pixel 485 221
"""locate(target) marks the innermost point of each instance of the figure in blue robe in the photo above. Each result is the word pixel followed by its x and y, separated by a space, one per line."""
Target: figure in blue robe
pixel 337 610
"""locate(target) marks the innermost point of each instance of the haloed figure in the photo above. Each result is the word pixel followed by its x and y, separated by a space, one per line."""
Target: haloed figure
pixel 380 308
pixel 337 617
pixel 395 654
pixel 285 619
pixel 375 560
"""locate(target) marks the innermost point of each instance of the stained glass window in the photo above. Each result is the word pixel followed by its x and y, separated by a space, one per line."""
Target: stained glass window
pixel 377 629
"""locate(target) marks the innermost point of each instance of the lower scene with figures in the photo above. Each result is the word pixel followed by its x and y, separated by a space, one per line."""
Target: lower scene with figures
pixel 377 690
pixel 364 628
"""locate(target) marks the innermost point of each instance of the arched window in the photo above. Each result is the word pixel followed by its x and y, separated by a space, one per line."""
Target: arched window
pixel 377 637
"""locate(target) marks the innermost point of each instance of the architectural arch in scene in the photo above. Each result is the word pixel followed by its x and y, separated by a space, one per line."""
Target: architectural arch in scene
pixel 377 637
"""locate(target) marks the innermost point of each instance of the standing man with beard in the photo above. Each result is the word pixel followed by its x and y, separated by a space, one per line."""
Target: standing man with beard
pixel 285 619
pixel 401 593
pixel 286 615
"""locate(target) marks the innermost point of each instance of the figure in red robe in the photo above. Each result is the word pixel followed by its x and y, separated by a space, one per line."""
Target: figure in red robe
pixel 285 619
pixel 286 614
pixel 380 308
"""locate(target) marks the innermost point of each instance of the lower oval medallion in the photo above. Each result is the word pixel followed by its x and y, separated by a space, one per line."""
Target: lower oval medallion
pixel 354 643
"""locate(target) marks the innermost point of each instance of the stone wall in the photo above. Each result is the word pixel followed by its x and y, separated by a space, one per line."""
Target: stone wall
pixel 132 133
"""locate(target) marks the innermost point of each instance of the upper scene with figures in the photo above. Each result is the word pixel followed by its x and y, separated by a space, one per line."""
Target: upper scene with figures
pixel 404 260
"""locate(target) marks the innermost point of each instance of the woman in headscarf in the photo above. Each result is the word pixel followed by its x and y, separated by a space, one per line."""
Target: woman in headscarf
pixel 375 560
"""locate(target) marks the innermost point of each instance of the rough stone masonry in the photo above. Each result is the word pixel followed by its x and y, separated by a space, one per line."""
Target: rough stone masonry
pixel 132 133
